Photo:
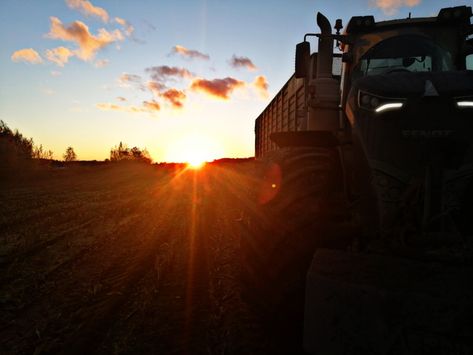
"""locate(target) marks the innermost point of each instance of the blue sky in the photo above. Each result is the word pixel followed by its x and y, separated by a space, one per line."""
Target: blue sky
pixel 102 94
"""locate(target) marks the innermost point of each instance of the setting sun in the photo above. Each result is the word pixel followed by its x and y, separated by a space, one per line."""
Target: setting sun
pixel 195 164
pixel 194 149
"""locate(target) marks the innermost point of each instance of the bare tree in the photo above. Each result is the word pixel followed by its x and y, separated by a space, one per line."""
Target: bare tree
pixel 70 155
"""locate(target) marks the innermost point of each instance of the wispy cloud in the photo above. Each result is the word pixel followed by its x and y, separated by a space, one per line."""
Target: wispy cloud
pixel 390 7
pixel 107 106
pixel 59 55
pixel 149 26
pixel 151 106
pixel 217 88
pixel 146 107
pixel 242 62
pixel 121 98
pixel 127 80
pixel 86 8
pixel 155 87
pixel 101 63
pixel 164 72
pixel 55 73
pixel 261 85
pixel 28 55
pixel 78 33
pixel 174 97
pixel 128 28
pixel 189 53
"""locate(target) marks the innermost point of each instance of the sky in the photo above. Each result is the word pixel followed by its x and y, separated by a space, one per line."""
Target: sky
pixel 174 77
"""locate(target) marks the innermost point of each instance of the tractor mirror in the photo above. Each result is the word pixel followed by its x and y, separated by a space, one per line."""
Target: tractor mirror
pixel 302 59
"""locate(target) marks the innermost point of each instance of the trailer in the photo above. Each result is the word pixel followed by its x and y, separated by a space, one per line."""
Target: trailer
pixel 287 112
pixel 284 113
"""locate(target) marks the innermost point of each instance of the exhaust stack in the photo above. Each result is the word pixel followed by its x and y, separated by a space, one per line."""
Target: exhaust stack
pixel 324 90
pixel 325 57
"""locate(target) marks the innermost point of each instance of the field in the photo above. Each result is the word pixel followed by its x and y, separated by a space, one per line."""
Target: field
pixel 125 260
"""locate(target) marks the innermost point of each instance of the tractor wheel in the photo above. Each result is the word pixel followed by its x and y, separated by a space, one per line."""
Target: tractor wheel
pixel 300 206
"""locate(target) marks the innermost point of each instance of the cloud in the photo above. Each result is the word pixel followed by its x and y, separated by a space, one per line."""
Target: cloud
pixel 174 97
pixel 121 98
pixel 242 62
pixel 189 53
pixel 146 107
pixel 55 73
pixel 28 55
pixel 128 28
pixel 59 55
pixel 129 78
pixel 101 63
pixel 261 86
pixel 155 87
pixel 107 106
pixel 151 106
pixel 218 88
pixel 390 7
pixel 120 21
pixel 78 32
pixel 86 8
pixel 149 25
pixel 164 72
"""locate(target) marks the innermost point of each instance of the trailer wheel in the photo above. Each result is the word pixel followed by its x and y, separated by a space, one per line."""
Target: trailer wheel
pixel 299 206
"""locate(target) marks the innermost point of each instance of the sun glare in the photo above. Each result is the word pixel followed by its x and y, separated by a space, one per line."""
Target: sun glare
pixel 196 163
pixel 195 150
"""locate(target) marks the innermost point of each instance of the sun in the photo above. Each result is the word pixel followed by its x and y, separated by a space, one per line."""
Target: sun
pixel 194 149
pixel 196 162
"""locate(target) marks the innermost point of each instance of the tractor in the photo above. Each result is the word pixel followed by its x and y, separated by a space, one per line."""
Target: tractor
pixel 360 237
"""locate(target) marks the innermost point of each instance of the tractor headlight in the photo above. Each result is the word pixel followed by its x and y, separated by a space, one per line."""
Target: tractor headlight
pixel 464 102
pixel 378 104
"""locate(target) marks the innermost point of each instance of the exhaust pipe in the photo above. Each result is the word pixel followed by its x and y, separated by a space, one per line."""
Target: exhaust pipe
pixel 324 97
pixel 325 56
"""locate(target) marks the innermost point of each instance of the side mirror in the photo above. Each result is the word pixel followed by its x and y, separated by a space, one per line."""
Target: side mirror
pixel 302 59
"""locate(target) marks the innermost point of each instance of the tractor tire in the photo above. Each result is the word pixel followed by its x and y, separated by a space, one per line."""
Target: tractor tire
pixel 299 206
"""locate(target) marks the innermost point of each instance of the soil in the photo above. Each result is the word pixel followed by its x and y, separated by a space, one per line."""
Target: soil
pixel 126 260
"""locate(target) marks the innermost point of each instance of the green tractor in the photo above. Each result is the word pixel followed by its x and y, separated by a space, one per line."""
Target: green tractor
pixel 361 237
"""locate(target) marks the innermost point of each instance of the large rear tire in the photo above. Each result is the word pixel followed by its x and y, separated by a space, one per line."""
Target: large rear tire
pixel 299 206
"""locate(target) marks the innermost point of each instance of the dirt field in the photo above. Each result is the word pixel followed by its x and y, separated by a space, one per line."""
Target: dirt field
pixel 125 260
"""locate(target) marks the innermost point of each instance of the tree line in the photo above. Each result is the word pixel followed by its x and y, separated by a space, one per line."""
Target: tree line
pixel 19 152
pixel 122 153
pixel 15 147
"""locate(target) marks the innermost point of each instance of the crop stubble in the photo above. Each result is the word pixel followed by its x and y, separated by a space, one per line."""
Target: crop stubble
pixel 134 260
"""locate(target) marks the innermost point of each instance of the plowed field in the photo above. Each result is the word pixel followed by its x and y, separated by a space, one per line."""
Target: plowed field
pixel 125 260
